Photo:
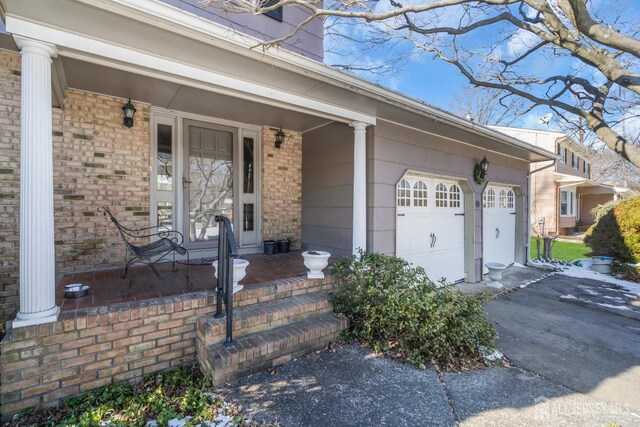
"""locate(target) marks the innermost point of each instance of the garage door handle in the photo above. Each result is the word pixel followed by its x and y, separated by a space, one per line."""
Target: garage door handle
pixel 497 232
pixel 400 214
pixel 459 214
pixel 433 241
pixel 512 213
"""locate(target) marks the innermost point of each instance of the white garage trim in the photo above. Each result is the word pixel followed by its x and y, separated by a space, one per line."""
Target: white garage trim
pixel 435 222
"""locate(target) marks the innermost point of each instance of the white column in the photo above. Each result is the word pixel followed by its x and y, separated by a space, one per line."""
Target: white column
pixel 37 252
pixel 359 186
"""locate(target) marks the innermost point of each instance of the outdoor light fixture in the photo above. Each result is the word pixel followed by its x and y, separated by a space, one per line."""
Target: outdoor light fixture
pixel 480 171
pixel 484 164
pixel 129 111
pixel 279 138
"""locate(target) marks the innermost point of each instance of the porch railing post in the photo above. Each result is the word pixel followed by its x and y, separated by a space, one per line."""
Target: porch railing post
pixel 220 282
pixel 227 251
pixel 229 301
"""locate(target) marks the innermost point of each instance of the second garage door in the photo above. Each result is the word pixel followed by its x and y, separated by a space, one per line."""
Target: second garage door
pixel 499 225
pixel 430 226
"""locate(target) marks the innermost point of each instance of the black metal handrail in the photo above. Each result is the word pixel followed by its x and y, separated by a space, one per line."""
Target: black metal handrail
pixel 227 251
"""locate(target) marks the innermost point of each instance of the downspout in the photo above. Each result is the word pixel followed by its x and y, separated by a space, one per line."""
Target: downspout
pixel 528 239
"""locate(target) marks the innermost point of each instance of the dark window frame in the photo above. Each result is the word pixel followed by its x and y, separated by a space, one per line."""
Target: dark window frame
pixel 276 14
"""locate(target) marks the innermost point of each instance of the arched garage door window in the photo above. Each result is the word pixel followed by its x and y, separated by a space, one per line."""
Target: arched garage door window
pixel 441 196
pixel 419 194
pixel 404 193
pixel 455 196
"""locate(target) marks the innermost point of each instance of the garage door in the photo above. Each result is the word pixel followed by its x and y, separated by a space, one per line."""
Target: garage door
pixel 499 228
pixel 430 226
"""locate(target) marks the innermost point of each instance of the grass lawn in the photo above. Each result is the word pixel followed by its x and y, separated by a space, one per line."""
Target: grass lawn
pixel 565 251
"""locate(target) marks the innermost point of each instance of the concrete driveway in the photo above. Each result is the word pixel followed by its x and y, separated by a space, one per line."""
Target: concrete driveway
pixel 580 333
pixel 576 364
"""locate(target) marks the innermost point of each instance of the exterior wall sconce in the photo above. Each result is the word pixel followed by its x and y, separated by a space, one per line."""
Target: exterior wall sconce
pixel 129 111
pixel 279 138
pixel 480 171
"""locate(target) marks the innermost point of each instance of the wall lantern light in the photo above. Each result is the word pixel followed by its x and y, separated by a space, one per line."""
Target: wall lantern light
pixel 279 138
pixel 129 111
pixel 480 171
pixel 484 164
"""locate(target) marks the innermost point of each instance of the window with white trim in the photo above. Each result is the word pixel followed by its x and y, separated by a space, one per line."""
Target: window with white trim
pixel 575 161
pixel 441 196
pixel 564 203
pixel 571 196
pixel 489 198
pixel 562 152
pixel 510 199
pixel 502 199
pixel 454 196
pixel 404 193
pixel 419 194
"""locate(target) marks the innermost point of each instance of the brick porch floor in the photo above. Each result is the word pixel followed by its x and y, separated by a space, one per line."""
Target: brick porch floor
pixel 107 286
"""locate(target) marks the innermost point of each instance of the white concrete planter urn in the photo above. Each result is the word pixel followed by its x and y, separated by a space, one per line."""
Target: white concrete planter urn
pixel 239 271
pixel 316 261
pixel 495 273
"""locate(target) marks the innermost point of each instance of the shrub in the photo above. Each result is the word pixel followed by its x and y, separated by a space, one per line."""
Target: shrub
pixel 395 308
pixel 617 233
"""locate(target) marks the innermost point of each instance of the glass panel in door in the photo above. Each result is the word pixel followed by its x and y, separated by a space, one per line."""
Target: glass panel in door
pixel 208 182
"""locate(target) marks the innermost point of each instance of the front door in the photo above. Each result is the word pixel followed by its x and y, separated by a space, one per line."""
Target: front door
pixel 207 181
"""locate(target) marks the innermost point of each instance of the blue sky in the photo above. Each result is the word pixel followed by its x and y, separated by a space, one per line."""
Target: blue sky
pixel 439 83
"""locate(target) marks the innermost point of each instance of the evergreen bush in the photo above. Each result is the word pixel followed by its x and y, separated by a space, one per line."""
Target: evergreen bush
pixel 617 232
pixel 396 309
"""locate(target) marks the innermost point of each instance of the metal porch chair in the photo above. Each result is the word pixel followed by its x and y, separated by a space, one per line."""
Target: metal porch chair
pixel 167 244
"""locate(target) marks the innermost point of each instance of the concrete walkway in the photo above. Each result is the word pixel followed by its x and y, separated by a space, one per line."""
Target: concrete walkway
pixel 512 277
pixel 353 387
pixel 576 364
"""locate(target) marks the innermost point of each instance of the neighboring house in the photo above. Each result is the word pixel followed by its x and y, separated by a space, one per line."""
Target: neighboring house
pixel 360 167
pixel 563 195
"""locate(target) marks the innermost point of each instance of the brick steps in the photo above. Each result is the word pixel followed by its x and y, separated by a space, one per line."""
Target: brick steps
pixel 267 315
pixel 273 322
pixel 281 288
pixel 265 349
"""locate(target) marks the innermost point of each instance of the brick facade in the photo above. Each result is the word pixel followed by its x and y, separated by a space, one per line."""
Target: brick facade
pixel 9 181
pixel 282 187
pixel 87 349
pixel 97 161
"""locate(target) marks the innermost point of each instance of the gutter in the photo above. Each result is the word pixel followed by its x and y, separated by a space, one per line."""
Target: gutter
pixel 193 26
pixel 528 239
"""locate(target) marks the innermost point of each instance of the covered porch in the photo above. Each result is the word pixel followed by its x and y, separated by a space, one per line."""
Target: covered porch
pixel 108 288
pixel 78 156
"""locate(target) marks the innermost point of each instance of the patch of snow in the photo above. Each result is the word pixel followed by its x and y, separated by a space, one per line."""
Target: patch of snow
pixel 517 264
pixel 583 273
pixel 496 355
pixel 219 421
pixel 569 296
pixel 588 290
pixel 619 307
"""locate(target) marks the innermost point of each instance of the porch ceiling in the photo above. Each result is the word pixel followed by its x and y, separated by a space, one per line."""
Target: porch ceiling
pixel 160 93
